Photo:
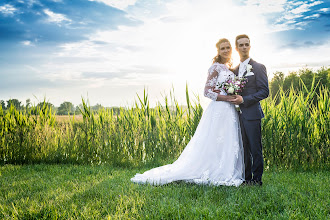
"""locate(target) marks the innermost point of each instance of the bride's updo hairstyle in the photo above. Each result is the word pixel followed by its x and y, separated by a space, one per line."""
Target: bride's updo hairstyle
pixel 217 58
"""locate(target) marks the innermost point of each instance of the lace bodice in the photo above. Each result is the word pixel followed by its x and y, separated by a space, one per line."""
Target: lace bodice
pixel 217 73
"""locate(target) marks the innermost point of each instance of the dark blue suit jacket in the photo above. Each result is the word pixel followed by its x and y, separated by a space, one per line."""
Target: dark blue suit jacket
pixel 254 91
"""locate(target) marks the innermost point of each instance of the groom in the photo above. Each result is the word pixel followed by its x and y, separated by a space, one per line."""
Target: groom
pixel 255 90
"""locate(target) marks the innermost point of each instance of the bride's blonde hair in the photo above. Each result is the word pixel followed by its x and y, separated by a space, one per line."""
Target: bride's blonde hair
pixel 217 58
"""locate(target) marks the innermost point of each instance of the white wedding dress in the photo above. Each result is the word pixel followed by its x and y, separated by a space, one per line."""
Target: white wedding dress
pixel 214 154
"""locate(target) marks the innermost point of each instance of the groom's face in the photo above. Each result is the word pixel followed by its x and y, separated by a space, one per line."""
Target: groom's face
pixel 243 47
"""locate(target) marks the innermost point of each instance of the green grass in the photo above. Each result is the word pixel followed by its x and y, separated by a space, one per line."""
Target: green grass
pixel 101 192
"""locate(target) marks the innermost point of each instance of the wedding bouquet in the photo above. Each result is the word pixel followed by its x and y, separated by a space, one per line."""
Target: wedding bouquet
pixel 234 86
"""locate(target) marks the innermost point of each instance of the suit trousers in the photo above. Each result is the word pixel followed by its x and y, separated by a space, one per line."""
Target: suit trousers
pixel 253 159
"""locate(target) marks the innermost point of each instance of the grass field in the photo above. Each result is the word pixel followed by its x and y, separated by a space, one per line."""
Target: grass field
pixel 296 152
pixel 102 192
pixel 67 118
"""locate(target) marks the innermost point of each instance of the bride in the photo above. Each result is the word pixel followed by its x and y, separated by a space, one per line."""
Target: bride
pixel 214 154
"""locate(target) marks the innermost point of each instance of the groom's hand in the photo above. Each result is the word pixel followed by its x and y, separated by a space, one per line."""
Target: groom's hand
pixel 237 100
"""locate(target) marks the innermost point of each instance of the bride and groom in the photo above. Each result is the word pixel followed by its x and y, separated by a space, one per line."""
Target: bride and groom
pixel 226 148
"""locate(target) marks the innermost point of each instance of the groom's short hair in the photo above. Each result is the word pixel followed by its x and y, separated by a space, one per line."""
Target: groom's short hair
pixel 239 37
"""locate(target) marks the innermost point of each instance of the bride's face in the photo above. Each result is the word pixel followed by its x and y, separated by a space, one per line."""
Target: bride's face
pixel 225 50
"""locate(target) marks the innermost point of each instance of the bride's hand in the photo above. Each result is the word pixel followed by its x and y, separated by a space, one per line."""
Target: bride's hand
pixel 230 98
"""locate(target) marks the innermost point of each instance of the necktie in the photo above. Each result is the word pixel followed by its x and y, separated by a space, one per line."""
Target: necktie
pixel 241 69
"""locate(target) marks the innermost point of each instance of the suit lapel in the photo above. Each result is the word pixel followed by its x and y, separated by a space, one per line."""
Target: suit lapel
pixel 246 70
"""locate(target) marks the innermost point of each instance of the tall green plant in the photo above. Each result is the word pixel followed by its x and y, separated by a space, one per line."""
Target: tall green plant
pixel 295 132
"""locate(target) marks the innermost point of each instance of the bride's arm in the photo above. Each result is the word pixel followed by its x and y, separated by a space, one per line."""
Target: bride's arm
pixel 210 84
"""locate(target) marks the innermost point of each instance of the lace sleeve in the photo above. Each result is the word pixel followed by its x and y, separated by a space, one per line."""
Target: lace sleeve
pixel 211 82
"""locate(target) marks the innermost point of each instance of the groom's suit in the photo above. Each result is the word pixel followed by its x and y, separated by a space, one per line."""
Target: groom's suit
pixel 255 90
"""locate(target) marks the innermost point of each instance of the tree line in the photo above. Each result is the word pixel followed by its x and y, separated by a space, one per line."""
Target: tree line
pixel 302 80
pixel 66 108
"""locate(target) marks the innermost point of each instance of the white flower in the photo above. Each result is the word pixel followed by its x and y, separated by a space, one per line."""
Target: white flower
pixel 231 90
pixel 248 68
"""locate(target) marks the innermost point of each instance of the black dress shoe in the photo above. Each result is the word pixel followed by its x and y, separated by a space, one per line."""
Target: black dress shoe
pixel 247 183
pixel 256 182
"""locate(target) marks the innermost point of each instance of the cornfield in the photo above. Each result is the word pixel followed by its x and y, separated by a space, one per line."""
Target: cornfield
pixel 295 133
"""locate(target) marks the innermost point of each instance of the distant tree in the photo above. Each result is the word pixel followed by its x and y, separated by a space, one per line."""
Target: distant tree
pixel 3 104
pixel 307 76
pixel 97 107
pixel 27 104
pixel 66 108
pixel 115 110
pixel 291 80
pixel 323 77
pixel 14 102
pixel 276 83
pixel 301 79
pixel 77 111
pixel 46 104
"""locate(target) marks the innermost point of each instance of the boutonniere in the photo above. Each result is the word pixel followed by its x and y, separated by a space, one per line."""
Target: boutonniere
pixel 249 68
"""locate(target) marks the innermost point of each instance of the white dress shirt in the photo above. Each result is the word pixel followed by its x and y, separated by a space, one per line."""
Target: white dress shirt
pixel 242 67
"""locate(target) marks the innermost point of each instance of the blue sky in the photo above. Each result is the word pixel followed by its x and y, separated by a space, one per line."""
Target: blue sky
pixel 109 50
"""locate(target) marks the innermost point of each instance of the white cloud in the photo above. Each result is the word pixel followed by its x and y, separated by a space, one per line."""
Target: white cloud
pixel 291 17
pixel 171 47
pixel 304 7
pixel 27 43
pixel 162 52
pixel 293 59
pixel 292 14
pixel 31 3
pixel 7 9
pixel 324 9
pixel 120 4
pixel 265 7
pixel 312 16
pixel 55 17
